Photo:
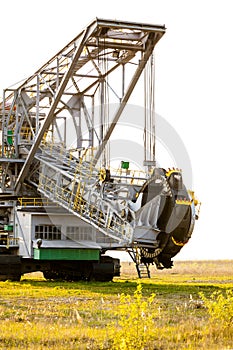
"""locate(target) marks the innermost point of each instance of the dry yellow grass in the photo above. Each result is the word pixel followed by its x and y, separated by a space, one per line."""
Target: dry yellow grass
pixel 37 314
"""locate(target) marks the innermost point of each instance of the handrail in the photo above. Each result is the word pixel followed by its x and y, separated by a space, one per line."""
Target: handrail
pixel 35 202
pixel 9 241
pixel 108 221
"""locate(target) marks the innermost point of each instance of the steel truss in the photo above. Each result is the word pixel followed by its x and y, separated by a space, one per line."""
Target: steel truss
pixel 69 85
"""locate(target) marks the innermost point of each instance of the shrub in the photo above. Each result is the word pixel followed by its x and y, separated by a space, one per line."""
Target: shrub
pixel 220 306
pixel 135 322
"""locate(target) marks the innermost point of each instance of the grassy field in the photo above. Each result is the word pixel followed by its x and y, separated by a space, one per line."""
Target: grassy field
pixel 187 307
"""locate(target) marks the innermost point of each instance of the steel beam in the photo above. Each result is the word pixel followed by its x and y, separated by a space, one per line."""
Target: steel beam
pixel 149 50
pixel 89 30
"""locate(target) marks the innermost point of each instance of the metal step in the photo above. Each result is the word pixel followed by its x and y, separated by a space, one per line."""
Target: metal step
pixel 143 270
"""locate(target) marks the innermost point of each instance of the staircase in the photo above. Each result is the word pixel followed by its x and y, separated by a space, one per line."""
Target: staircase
pixel 143 270
pixel 73 183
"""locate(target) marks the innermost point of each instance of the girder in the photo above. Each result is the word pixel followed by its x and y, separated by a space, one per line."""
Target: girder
pixel 103 47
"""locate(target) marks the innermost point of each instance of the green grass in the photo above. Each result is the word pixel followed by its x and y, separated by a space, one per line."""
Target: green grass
pixel 37 314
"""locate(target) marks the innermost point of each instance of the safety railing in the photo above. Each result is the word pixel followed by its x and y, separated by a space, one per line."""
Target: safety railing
pixel 8 152
pixel 34 202
pixel 27 133
pixel 108 221
pixel 8 241
pixel 129 176
pixel 70 179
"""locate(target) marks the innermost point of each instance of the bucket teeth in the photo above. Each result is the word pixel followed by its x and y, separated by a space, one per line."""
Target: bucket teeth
pixel 183 201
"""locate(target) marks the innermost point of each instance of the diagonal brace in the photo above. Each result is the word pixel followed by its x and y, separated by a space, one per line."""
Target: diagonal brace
pixel 48 120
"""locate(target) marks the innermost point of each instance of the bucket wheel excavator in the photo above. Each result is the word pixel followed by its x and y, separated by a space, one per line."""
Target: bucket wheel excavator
pixel 62 205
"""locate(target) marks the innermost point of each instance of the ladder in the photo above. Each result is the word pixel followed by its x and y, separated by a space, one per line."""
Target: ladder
pixel 143 270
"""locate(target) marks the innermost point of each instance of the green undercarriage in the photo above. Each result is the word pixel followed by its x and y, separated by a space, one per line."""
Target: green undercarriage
pixel 66 254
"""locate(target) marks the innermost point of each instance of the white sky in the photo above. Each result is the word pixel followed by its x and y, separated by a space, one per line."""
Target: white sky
pixel 194 80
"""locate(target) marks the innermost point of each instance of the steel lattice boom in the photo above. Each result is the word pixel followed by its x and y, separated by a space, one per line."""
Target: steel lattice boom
pixel 69 82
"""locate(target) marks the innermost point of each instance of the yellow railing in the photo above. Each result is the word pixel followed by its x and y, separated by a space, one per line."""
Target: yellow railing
pixel 9 241
pixel 9 151
pixel 129 176
pixel 34 202
pixel 27 133
pixel 74 200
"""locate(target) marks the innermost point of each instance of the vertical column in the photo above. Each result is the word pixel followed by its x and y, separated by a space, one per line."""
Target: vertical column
pixel 37 102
